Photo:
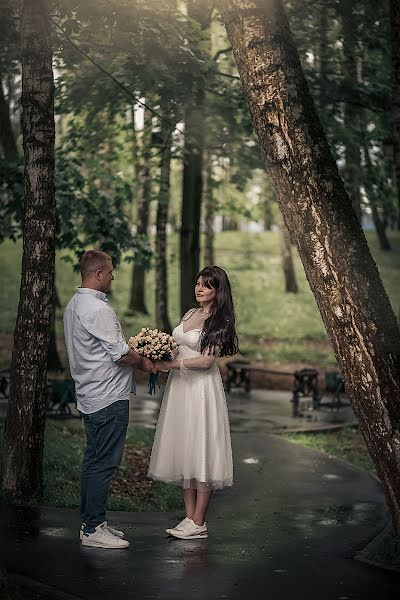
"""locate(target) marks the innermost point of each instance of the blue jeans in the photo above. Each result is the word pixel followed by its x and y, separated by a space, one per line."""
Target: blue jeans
pixel 105 433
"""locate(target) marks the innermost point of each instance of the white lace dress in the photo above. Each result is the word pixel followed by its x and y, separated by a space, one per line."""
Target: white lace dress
pixel 192 444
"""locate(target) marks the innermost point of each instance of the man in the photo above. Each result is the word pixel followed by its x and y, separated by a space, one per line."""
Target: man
pixel 101 364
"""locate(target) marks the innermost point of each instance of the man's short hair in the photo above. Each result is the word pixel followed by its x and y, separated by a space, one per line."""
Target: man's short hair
pixel 92 261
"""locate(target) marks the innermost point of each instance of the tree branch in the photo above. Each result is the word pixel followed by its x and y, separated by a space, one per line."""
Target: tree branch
pixel 222 51
pixel 114 79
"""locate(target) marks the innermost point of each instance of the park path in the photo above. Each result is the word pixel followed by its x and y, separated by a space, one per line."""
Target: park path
pixel 287 529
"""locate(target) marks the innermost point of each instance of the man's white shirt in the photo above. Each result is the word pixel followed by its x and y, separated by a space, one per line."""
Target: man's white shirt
pixel 95 342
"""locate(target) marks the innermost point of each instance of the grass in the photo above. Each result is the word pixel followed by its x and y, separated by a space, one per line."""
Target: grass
pixel 347 444
pixel 130 489
pixel 273 326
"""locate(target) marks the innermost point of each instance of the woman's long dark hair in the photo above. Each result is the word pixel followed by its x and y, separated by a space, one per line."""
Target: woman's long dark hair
pixel 219 328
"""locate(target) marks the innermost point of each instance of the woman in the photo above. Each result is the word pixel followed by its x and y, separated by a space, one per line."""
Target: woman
pixel 192 444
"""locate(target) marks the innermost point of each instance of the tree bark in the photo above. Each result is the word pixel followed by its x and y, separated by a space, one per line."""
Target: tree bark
pixel 287 261
pixel 161 287
pixel 209 211
pixel 7 137
pixel 342 274
pixel 194 117
pixel 191 197
pixel 137 301
pixel 395 35
pixel 25 421
pixel 352 173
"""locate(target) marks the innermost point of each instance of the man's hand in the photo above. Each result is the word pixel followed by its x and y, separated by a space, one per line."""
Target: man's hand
pixel 148 366
pixel 164 365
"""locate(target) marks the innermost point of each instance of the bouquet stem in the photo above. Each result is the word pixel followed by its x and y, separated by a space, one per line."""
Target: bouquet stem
pixel 153 382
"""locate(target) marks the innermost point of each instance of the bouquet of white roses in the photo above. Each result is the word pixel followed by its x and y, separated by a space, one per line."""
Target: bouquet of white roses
pixel 155 345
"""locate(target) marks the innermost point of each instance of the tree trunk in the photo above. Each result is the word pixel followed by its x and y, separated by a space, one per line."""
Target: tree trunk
pixel 209 212
pixel 161 287
pixel 7 138
pixel 191 197
pixel 395 30
pixel 342 274
pixel 137 301
pixel 26 414
pixel 194 118
pixel 368 182
pixel 53 358
pixel 287 261
pixel 352 174
pixel 323 56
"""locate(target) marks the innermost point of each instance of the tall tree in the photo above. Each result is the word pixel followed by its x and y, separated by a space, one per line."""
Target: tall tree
pixel 25 422
pixel 137 302
pixel 287 261
pixel 342 274
pixel 7 138
pixel 194 117
pixel 351 110
pixel 395 102
pixel 161 272
pixel 209 210
pixel 374 199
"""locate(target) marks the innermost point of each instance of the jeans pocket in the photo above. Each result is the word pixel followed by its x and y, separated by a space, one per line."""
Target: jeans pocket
pixel 122 412
pixel 96 418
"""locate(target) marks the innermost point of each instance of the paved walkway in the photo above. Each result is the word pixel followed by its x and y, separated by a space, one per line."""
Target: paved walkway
pixel 287 529
pixel 260 411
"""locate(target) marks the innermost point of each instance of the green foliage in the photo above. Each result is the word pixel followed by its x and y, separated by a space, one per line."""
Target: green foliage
pixel 62 463
pixel 273 326
pixel 346 444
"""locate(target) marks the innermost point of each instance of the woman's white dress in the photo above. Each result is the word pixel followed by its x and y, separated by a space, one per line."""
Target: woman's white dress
pixel 192 444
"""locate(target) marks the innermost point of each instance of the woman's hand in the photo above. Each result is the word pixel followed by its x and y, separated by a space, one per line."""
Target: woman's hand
pixel 163 365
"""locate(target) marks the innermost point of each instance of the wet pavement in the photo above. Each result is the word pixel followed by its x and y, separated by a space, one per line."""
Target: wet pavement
pixel 288 528
pixel 258 412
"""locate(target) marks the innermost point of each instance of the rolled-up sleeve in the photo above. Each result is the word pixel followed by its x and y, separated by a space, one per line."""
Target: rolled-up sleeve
pixel 104 326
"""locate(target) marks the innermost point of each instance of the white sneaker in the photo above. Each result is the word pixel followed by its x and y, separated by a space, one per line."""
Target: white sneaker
pixel 102 538
pixel 179 526
pixel 190 531
pixel 116 532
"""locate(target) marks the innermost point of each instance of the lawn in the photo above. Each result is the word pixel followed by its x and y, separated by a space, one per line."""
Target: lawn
pixel 131 490
pixel 273 326
pixel 347 444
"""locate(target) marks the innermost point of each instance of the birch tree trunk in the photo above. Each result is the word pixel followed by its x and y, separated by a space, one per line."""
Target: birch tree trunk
pixel 395 30
pixel 26 414
pixel 342 274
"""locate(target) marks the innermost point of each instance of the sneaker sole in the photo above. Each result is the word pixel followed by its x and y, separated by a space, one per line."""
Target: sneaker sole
pixel 97 545
pixel 189 537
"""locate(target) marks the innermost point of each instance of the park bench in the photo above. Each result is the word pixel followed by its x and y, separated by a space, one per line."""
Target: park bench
pixel 305 384
pixel 60 394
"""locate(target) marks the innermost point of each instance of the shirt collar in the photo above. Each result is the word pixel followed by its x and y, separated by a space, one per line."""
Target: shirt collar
pixel 100 295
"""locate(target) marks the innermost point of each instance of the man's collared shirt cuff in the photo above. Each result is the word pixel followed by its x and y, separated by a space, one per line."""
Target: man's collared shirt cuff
pixel 117 351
